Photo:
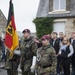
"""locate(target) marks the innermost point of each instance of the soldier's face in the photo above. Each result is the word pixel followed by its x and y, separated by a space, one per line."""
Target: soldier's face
pixel 26 35
pixel 45 42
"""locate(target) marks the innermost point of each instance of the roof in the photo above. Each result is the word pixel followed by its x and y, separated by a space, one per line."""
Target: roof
pixel 2 15
pixel 43 10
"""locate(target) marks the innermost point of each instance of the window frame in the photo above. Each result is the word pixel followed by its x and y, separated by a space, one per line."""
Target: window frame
pixel 59 7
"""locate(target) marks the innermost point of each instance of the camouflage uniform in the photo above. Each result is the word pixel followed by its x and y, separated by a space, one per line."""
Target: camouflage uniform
pixel 46 60
pixel 12 64
pixel 28 50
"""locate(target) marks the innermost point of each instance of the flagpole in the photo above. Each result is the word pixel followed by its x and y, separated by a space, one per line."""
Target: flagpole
pixel 8 38
pixel 12 57
pixel 10 0
pixel 12 66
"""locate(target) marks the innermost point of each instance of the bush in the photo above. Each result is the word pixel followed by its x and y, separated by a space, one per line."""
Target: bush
pixel 43 26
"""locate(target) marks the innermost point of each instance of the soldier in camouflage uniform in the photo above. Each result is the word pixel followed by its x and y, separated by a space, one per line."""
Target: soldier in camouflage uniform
pixel 28 50
pixel 46 59
pixel 12 64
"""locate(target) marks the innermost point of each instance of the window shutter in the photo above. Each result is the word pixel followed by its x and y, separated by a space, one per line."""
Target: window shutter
pixel 59 27
pixel 68 2
pixel 50 5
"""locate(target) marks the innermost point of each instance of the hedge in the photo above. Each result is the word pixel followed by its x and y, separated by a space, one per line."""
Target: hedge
pixel 43 26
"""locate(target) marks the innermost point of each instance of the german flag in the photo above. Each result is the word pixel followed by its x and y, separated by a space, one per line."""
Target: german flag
pixel 11 38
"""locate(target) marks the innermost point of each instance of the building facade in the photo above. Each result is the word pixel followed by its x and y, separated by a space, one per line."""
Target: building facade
pixel 63 12
pixel 3 23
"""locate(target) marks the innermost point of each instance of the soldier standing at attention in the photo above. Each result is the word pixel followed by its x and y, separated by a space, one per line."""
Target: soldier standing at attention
pixel 28 53
pixel 12 64
pixel 46 57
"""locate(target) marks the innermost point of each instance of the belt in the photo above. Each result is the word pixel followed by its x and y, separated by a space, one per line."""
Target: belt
pixel 45 66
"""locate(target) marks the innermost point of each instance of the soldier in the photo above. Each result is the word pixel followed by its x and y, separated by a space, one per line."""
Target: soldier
pixel 28 53
pixel 46 57
pixel 12 64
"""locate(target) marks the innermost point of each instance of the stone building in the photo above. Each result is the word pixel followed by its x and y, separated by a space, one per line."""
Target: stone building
pixel 63 12
pixel 3 23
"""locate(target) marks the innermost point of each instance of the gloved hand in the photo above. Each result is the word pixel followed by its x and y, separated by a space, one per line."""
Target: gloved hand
pixel 32 69
pixel 33 64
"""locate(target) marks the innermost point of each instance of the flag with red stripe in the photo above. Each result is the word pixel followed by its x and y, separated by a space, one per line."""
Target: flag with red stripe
pixel 11 38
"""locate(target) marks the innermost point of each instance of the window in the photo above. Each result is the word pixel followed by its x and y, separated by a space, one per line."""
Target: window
pixel 59 27
pixel 59 5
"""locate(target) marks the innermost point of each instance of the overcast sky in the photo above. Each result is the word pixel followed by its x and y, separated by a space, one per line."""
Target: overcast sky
pixel 24 10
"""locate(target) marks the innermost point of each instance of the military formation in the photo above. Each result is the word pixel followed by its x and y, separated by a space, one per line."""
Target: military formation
pixel 48 56
pixel 33 60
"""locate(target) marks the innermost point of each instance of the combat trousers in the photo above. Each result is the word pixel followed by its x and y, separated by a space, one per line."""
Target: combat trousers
pixel 27 73
pixel 9 72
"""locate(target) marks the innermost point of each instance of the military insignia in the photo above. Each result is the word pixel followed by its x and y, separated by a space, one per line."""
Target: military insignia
pixel 38 57
pixel 27 46
pixel 10 29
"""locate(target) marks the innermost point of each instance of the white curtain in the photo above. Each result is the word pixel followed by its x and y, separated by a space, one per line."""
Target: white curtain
pixel 59 4
pixel 62 4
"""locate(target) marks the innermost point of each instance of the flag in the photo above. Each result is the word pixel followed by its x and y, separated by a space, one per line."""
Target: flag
pixel 11 38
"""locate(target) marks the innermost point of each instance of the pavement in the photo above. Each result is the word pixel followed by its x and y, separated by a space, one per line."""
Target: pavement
pixel 3 70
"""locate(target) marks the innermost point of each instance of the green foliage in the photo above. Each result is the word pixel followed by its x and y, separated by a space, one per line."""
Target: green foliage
pixel 43 26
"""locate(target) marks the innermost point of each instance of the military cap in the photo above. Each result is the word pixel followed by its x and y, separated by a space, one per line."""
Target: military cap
pixel 26 31
pixel 45 37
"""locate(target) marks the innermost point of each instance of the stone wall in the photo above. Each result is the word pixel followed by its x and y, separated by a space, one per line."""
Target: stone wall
pixel 3 22
pixel 70 26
